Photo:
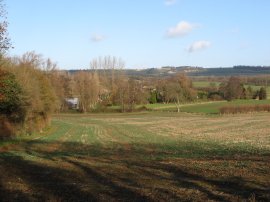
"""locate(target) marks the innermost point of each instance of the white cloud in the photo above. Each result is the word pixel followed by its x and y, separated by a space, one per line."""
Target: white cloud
pixel 97 37
pixel 181 29
pixel 170 2
pixel 198 45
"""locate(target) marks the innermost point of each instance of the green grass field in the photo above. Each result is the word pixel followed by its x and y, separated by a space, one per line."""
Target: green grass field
pixel 151 156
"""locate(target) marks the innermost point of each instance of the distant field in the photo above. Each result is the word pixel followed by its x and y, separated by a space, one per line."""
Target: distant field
pixel 204 84
pixel 151 156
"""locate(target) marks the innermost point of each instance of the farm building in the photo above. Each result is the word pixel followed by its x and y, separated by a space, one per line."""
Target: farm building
pixel 73 103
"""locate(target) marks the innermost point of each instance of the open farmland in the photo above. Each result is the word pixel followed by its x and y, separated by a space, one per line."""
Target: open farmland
pixel 136 157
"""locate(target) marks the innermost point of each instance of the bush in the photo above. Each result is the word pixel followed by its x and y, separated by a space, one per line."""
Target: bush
pixel 153 97
pixel 244 109
pixel 262 93
pixel 11 102
pixel 215 96
pixel 141 109
pixel 7 129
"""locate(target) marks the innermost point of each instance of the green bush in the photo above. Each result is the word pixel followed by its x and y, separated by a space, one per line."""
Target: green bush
pixel 11 102
pixel 262 93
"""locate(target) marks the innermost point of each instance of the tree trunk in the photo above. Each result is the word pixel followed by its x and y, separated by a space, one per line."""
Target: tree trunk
pixel 178 106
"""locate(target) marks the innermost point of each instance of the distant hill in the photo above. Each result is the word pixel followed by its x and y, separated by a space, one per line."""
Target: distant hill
pixel 233 71
pixel 195 71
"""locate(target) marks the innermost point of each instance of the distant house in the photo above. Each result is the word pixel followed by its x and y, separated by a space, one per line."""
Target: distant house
pixel 73 103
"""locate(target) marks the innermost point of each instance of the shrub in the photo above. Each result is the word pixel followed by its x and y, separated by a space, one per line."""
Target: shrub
pixel 11 102
pixel 153 97
pixel 244 109
pixel 142 108
pixel 215 96
pixel 7 129
pixel 262 93
pixel 12 105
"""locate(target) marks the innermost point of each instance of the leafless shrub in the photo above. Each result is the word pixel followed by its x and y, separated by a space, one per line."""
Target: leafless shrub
pixel 244 109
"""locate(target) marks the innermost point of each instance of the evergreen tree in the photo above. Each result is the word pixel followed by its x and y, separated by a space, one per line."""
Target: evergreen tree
pixel 11 104
pixel 262 93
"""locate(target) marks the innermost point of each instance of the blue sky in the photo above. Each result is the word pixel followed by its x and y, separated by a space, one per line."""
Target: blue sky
pixel 144 33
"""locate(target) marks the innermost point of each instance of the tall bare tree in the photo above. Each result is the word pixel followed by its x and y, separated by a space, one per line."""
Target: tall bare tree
pixel 5 43
pixel 87 87
pixel 109 70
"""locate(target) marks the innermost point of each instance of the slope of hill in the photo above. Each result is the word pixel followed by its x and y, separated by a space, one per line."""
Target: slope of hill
pixel 196 71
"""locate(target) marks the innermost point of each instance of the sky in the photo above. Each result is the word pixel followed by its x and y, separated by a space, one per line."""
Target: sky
pixel 143 33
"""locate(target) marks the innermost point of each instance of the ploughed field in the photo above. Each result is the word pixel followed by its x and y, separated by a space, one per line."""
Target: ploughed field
pixel 152 156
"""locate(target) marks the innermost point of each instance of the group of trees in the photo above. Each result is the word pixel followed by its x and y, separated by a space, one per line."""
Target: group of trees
pixel 176 89
pixel 26 95
pixel 232 88
pixel 105 85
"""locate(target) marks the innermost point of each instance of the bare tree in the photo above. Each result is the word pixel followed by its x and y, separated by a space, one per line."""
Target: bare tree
pixel 179 89
pixel 87 87
pixel 233 89
pixel 108 69
pixel 5 43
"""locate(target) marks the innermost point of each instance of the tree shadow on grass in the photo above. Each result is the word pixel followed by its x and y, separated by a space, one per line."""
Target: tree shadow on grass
pixel 118 190
pixel 14 195
pixel 45 182
pixel 69 171
pixel 229 185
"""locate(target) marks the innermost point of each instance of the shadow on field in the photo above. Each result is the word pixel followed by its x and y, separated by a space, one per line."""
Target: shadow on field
pixel 68 171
